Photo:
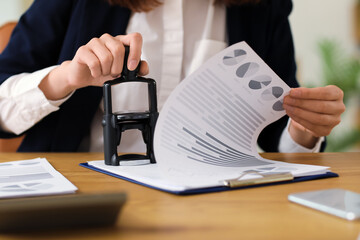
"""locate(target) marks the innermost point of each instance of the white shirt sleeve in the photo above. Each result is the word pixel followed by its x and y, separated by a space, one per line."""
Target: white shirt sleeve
pixel 22 103
pixel 287 144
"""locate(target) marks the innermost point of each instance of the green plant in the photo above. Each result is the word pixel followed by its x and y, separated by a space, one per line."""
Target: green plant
pixel 339 69
pixel 343 71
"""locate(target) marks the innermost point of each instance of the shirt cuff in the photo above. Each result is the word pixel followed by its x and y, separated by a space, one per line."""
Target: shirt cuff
pixel 288 145
pixel 57 103
pixel 22 102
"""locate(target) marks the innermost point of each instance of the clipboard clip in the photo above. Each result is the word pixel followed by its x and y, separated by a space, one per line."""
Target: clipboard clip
pixel 263 179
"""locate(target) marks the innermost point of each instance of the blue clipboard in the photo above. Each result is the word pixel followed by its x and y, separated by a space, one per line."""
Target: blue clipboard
pixel 212 189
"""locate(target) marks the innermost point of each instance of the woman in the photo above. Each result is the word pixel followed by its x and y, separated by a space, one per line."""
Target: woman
pixel 61 52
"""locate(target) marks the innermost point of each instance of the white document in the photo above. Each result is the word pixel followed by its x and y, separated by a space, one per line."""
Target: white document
pixel 32 177
pixel 208 128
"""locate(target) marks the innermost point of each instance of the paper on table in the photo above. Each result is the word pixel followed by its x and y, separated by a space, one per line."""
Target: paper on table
pixel 32 177
pixel 208 128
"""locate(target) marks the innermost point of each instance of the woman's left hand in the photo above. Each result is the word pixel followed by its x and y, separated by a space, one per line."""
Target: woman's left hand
pixel 314 112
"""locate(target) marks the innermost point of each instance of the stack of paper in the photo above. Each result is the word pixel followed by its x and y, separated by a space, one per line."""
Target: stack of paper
pixel 33 177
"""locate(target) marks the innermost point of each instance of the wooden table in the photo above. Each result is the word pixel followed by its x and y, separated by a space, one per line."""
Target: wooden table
pixel 255 213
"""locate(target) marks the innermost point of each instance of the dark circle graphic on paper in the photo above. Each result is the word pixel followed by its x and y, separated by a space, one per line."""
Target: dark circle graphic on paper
pixel 247 69
pixel 237 56
pixel 278 106
pixel 272 93
pixel 260 82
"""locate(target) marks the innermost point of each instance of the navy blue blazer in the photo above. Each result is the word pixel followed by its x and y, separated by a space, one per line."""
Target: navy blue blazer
pixel 50 32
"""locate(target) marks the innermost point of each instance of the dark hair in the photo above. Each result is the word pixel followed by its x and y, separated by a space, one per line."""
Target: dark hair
pixel 147 5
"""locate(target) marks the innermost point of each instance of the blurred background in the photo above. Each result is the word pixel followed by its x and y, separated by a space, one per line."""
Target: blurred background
pixel 327 41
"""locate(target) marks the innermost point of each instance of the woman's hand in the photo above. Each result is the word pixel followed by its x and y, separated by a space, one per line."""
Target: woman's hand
pixel 100 60
pixel 314 112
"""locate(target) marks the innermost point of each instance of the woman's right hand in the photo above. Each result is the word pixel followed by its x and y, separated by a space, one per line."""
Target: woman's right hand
pixel 100 60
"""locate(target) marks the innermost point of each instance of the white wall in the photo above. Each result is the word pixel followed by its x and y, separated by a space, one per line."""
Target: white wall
pixel 313 20
pixel 11 10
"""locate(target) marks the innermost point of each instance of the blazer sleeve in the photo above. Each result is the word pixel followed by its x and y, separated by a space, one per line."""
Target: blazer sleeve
pixel 280 56
pixel 265 27
pixel 37 39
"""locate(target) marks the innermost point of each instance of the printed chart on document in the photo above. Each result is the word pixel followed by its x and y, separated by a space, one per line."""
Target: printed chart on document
pixel 208 128
pixel 32 177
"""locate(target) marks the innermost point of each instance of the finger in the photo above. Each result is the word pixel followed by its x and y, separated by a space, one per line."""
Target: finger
pixel 329 93
pixel 144 68
pixel 117 50
pixel 86 57
pixel 105 57
pixel 319 106
pixel 315 130
pixel 314 118
pixel 134 41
